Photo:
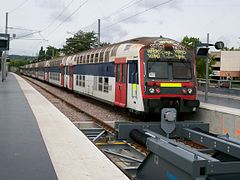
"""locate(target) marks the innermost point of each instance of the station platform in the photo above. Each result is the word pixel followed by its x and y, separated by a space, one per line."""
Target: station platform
pixel 38 142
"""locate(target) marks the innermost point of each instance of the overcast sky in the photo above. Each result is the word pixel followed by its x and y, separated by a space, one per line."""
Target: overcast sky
pixel 52 21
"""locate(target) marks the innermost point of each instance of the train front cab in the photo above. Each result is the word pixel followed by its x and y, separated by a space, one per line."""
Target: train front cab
pixel 169 78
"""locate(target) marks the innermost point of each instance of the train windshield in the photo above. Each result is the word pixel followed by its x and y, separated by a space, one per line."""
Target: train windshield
pixel 158 70
pixel 182 70
pixel 169 70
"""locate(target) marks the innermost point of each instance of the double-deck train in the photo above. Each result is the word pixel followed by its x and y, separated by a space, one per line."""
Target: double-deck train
pixel 143 75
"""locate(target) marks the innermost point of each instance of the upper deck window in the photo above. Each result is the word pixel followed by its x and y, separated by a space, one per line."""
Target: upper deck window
pixel 96 57
pixel 107 52
pixel 91 58
pixel 114 50
pixel 101 56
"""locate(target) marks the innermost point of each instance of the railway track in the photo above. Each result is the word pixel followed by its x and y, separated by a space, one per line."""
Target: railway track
pixel 101 132
pixel 189 145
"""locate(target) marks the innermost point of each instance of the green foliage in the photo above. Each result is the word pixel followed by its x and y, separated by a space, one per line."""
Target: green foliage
pixel 49 53
pixel 41 54
pixel 18 63
pixel 21 58
pixel 193 42
pixel 81 41
pixel 52 52
pixel 102 44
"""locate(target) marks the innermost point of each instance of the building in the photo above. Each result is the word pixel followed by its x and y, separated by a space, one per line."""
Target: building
pixel 227 65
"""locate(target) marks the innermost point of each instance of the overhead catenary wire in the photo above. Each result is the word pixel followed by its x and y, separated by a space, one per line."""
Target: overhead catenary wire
pixel 59 15
pixel 19 6
pixel 29 34
pixel 74 12
pixel 122 8
pixel 141 12
pixel 59 25
pixel 22 29
pixel 35 31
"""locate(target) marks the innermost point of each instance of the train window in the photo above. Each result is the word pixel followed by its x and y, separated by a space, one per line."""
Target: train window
pixel 67 70
pixel 100 84
pixel 118 73
pixel 105 88
pixel 133 72
pixel 96 57
pixel 127 47
pixel 80 59
pixel 84 58
pixel 107 52
pixel 83 81
pixel 76 80
pixel 101 56
pixel 91 58
pixel 124 73
pixel 158 70
pixel 182 70
pixel 80 80
pixel 114 50
pixel 88 58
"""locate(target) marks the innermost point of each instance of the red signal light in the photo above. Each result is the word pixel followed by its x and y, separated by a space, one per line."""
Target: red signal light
pixel 158 90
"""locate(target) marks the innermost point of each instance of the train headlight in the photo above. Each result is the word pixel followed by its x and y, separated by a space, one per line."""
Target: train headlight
pixel 158 90
pixel 151 90
pixel 189 90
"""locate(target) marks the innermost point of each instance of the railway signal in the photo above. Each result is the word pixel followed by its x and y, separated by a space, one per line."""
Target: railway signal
pixel 4 42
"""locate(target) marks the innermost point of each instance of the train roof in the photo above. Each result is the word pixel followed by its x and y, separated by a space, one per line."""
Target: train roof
pixel 141 40
pixel 146 40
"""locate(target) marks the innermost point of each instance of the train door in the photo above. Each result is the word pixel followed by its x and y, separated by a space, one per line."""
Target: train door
pixel 62 75
pixel 47 75
pixel 70 85
pixel 120 82
pixel 66 76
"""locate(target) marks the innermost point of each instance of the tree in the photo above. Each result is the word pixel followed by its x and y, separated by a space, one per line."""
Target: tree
pixel 41 54
pixel 49 53
pixel 193 42
pixel 52 52
pixel 81 41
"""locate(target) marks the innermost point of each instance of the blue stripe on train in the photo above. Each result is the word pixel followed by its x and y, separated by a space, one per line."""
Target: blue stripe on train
pixel 101 69
pixel 54 69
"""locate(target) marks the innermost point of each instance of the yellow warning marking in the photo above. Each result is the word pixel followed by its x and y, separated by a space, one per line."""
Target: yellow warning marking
pixel 115 143
pixel 134 87
pixel 170 84
pixel 118 142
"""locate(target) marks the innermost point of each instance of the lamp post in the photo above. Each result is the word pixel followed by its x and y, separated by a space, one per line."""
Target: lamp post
pixel 207 61
pixel 202 50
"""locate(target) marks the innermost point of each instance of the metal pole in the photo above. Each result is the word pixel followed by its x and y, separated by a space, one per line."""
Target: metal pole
pixel 99 21
pixel 207 59
pixel 4 56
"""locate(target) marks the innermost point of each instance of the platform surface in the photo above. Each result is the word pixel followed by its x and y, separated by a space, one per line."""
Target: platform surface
pixel 38 142
pixel 23 154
